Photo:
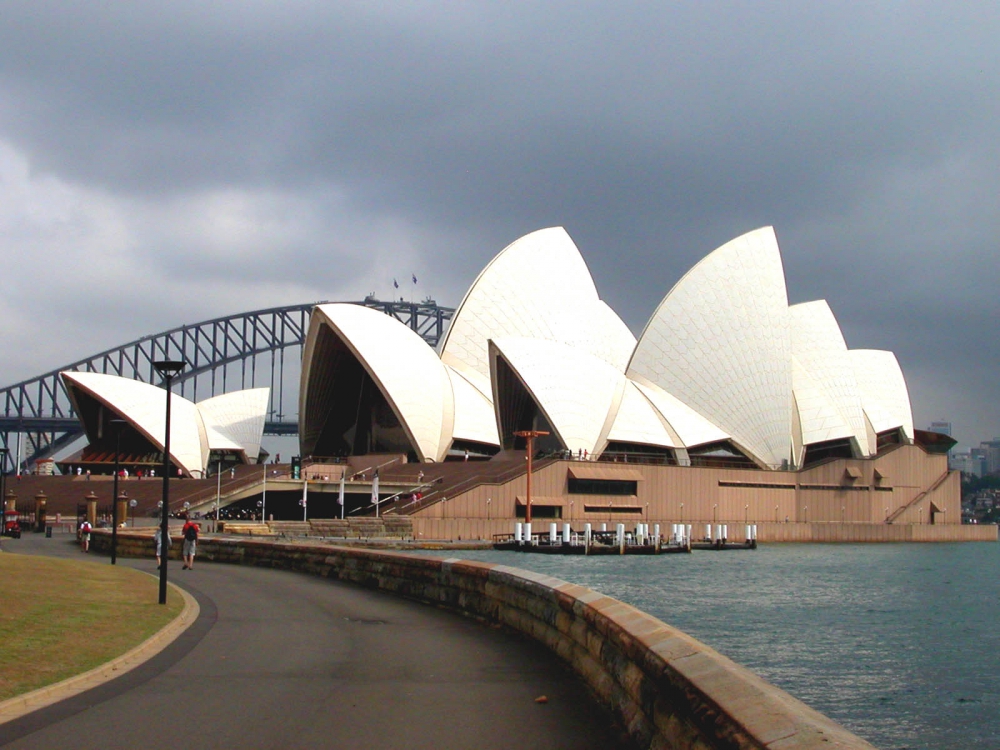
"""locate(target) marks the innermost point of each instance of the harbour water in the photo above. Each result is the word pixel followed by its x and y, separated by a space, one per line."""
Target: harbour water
pixel 899 643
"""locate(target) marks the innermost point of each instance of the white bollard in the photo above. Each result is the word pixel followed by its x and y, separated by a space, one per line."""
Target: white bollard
pixel 527 533
pixel 656 532
pixel 566 533
pixel 604 527
pixel 586 534
pixel 552 533
pixel 747 533
pixel 518 532
pixel 708 531
pixel 753 530
pixel 620 534
pixel 725 532
pixel 687 533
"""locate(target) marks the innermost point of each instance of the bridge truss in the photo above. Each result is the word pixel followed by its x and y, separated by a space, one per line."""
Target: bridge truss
pixel 247 350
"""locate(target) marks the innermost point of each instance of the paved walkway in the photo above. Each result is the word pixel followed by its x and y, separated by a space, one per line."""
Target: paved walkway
pixel 283 660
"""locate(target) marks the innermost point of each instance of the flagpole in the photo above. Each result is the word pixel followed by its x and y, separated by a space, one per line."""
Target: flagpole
pixel 263 498
pixel 305 492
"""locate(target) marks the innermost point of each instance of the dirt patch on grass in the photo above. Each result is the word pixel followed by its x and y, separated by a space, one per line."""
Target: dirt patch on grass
pixel 59 618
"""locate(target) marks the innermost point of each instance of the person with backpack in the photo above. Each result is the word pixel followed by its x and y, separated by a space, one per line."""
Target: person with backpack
pixel 190 534
pixel 85 529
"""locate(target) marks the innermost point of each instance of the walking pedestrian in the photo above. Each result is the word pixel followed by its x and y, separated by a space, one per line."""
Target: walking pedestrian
pixel 85 529
pixel 158 539
pixel 190 534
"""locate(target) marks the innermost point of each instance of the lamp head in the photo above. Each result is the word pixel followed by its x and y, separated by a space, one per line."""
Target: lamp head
pixel 169 367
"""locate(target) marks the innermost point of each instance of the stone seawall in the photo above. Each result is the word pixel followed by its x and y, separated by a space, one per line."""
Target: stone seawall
pixel 668 689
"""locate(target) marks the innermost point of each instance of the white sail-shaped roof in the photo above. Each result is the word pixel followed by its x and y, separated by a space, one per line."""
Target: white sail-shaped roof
pixel 819 418
pixel 144 407
pixel 818 345
pixel 537 287
pixel 573 388
pixel 691 428
pixel 474 416
pixel 720 343
pixel 406 371
pixel 238 418
pixel 883 390
pixel 638 421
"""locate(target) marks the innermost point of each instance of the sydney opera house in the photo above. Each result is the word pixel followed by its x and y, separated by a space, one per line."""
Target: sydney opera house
pixel 731 404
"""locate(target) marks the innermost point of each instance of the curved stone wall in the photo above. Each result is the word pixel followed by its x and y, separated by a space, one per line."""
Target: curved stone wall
pixel 668 689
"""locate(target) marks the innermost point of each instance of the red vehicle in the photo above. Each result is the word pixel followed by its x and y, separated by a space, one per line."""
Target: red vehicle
pixel 11 527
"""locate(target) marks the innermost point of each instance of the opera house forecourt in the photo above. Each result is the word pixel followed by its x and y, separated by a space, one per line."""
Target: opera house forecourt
pixel 731 407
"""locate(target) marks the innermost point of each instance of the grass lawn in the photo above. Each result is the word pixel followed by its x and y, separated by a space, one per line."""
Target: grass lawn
pixel 59 618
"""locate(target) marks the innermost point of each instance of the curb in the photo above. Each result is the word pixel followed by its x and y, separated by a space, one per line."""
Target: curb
pixel 18 706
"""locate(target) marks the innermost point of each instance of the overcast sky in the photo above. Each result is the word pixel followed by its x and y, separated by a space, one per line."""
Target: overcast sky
pixel 162 164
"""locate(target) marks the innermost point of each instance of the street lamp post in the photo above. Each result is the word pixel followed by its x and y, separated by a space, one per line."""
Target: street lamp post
pixel 117 425
pixel 4 452
pixel 529 435
pixel 168 369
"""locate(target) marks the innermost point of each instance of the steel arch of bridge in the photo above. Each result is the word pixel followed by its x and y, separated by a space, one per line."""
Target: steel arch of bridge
pixel 222 353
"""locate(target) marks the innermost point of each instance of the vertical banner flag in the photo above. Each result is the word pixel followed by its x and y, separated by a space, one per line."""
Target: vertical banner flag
pixel 340 498
pixel 375 492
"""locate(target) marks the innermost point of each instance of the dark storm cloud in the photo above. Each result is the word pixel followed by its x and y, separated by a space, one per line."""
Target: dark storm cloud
pixel 362 139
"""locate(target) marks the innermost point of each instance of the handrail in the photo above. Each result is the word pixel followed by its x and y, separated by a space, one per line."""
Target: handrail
pixel 903 508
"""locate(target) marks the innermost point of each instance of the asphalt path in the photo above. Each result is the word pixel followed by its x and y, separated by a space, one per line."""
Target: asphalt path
pixel 286 660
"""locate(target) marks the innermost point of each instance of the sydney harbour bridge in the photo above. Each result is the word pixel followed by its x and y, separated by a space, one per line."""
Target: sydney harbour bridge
pixel 246 350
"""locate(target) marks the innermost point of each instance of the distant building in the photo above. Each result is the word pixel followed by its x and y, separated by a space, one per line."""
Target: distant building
pixel 968 462
pixel 943 427
pixel 991 454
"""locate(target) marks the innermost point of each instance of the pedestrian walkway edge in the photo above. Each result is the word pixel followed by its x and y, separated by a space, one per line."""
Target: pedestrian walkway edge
pixel 20 705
